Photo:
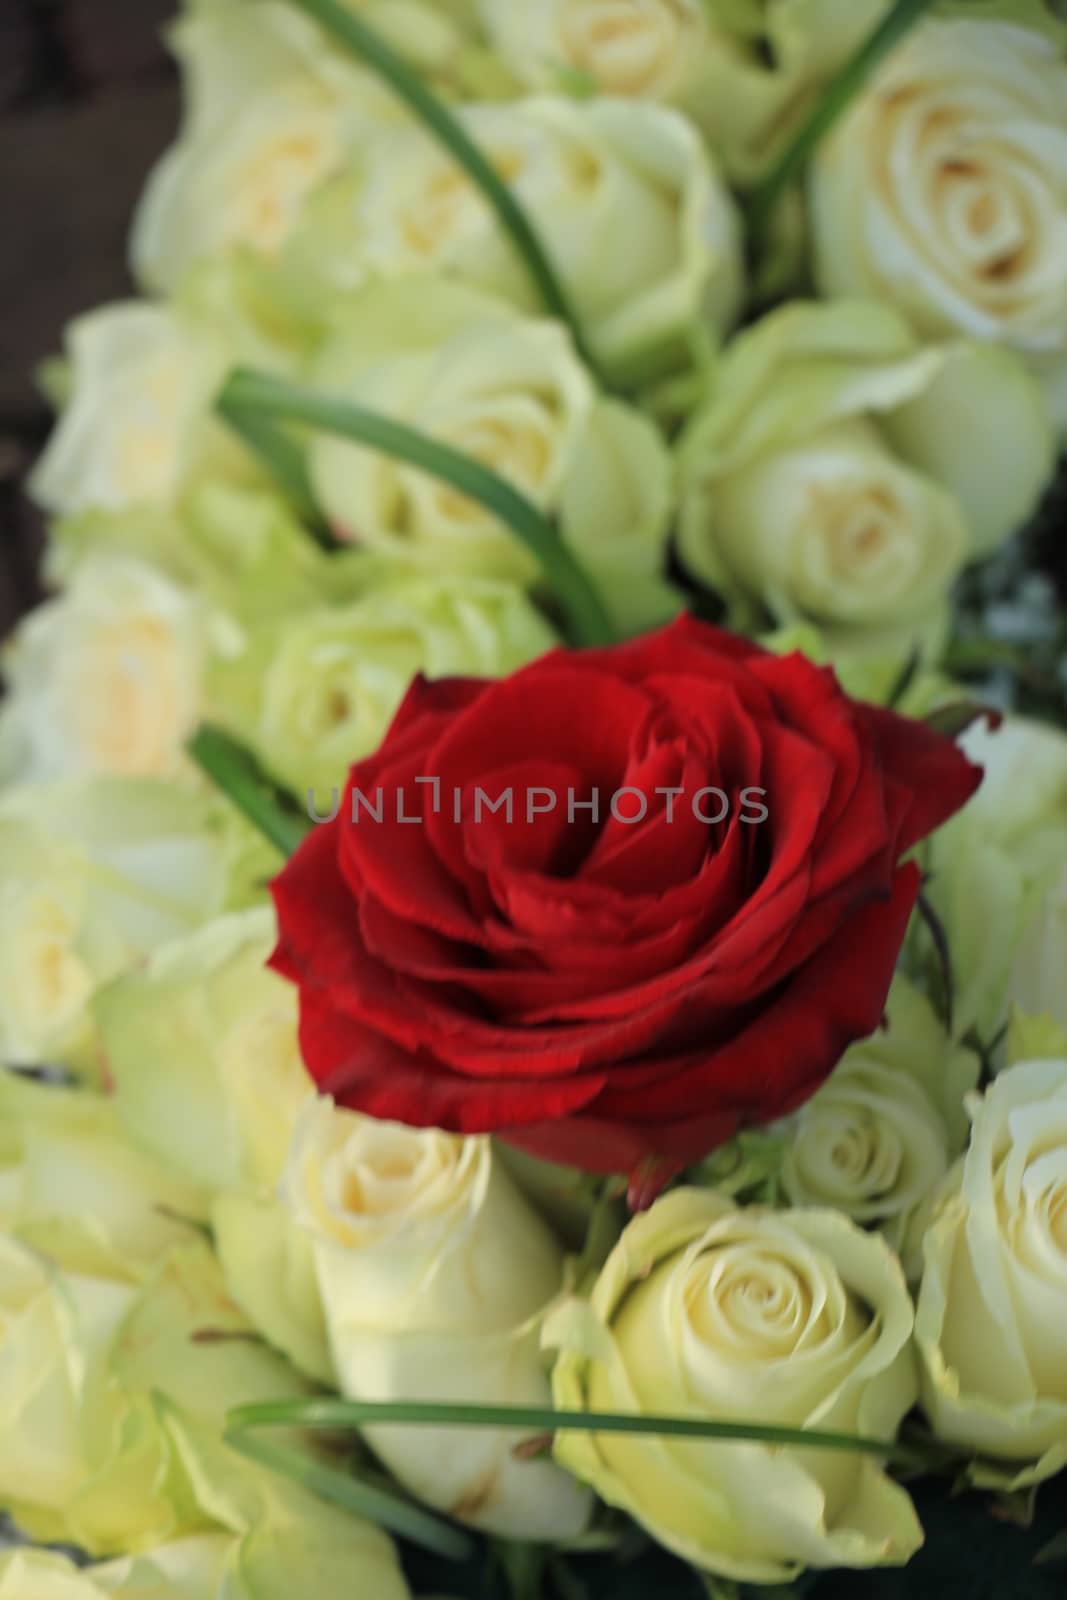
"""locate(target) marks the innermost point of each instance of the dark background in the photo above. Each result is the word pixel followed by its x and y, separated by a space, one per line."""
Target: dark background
pixel 88 100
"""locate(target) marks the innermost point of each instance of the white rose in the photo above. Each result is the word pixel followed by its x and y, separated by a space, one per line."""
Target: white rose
pixel 944 190
pixel 647 49
pixel 96 873
pixel 1038 983
pixel 640 227
pixel 878 1137
pixel 202 1051
pixel 51 1328
pixel 796 1318
pixel 826 479
pixel 994 870
pixel 434 1273
pixel 991 1323
pixel 316 691
pixel 187 1569
pixel 73 1188
pixel 746 71
pixel 270 108
pixel 509 391
pixel 104 678
pixel 137 424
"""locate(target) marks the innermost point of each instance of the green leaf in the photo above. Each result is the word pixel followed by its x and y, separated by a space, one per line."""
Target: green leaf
pixel 257 397
pixel 832 103
pixel 389 1508
pixel 235 771
pixel 355 35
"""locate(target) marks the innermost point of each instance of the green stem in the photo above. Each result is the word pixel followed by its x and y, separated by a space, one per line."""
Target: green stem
pixel 390 1510
pixel 345 1414
pixel 836 99
pixel 258 397
pixel 235 771
pixel 352 32
pixel 284 459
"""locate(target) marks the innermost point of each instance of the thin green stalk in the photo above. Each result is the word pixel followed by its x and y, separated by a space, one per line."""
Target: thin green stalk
pixel 284 459
pixel 352 32
pixel 257 397
pixel 346 1488
pixel 834 100
pixel 347 1414
pixel 235 771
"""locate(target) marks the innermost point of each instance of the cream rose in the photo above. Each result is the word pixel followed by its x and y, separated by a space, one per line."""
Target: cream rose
pixel 314 692
pixel 1038 983
pixel 511 392
pixel 944 190
pixel 994 872
pixel 138 422
pixel 796 1318
pixel 434 1273
pixel 96 873
pixel 648 49
pixel 74 1189
pixel 745 71
pixel 201 1044
pixel 878 1137
pixel 625 198
pixel 106 677
pixel 991 1323
pixel 270 109
pixel 824 479
pixel 187 1569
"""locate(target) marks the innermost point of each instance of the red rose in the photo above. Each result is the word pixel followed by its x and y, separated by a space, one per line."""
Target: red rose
pixel 606 992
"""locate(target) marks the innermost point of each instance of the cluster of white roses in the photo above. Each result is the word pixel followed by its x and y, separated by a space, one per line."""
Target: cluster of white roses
pixel 189 1228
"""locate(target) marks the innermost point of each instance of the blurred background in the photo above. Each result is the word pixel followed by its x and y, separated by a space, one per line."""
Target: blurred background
pixel 88 99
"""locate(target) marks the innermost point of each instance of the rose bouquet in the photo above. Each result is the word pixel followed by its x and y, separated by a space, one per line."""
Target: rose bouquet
pixel 533 825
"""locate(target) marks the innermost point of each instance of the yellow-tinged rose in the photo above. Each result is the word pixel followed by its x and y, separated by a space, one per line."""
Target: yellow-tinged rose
pixel 270 109
pixel 645 49
pixel 97 873
pixel 625 198
pixel 994 873
pixel 187 1569
pixel 991 1323
pixel 52 1330
pixel 116 1401
pixel 745 71
pixel 876 1140
pixel 74 1188
pixel 798 1319
pixel 434 1274
pixel 944 190
pixel 824 479
pixel 137 424
pixel 1039 977
pixel 239 547
pixel 269 1263
pixel 104 678
pixel 510 392
pixel 201 1047
pixel 314 692
pixel 202 1052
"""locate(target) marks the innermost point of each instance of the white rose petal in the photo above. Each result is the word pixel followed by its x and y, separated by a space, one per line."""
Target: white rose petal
pixel 991 1323
pixel 434 1274
pixel 944 191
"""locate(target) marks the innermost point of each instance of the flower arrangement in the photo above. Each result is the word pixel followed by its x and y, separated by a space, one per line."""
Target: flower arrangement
pixel 533 826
